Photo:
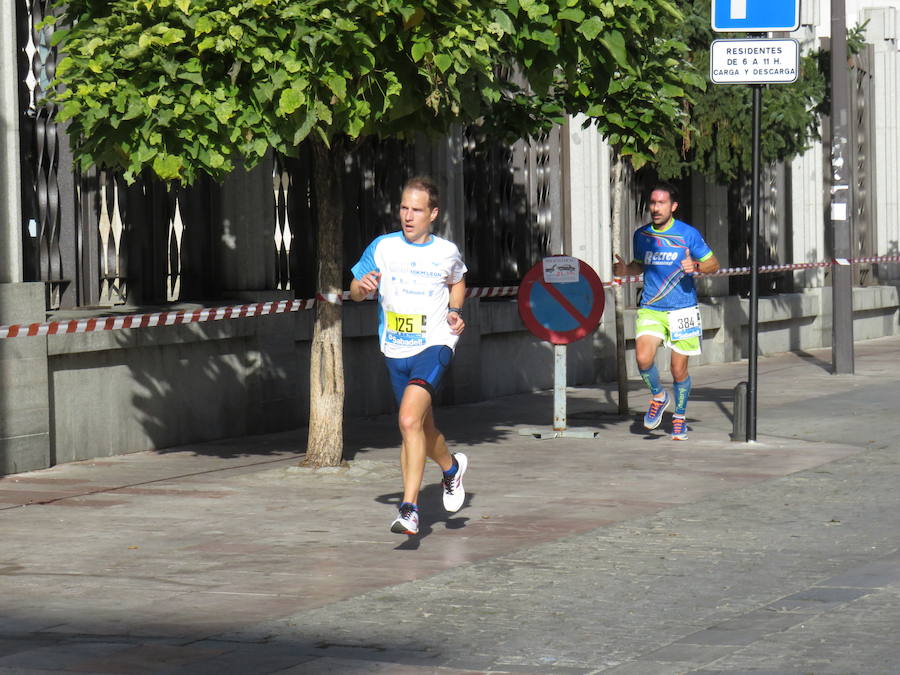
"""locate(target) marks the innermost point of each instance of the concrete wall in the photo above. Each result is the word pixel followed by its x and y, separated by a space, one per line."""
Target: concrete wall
pixel 10 184
pixel 117 392
pixel 25 405
pixel 787 322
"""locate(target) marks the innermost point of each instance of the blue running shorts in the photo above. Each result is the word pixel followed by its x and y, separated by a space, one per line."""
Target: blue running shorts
pixel 424 369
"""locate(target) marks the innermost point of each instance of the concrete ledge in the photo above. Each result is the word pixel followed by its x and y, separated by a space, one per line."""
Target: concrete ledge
pixel 126 391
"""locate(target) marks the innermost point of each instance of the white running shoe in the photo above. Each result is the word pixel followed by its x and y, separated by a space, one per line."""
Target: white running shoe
pixel 407 521
pixel 454 492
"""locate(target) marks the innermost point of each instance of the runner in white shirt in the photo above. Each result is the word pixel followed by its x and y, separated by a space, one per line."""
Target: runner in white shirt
pixel 421 289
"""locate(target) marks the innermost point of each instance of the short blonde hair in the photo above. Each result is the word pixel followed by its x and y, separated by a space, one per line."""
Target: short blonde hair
pixel 425 184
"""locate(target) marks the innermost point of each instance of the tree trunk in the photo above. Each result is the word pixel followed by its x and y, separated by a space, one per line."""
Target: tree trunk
pixel 618 197
pixel 325 444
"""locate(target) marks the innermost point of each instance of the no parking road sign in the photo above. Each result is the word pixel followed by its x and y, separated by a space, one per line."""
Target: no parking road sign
pixel 561 299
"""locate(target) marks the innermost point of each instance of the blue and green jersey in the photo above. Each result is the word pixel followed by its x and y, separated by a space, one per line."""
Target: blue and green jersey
pixel 666 286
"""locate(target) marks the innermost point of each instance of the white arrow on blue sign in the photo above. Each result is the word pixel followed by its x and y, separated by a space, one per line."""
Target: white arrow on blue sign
pixel 755 16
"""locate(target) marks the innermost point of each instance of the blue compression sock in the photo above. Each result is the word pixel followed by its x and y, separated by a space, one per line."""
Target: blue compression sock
pixel 682 391
pixel 452 470
pixel 651 379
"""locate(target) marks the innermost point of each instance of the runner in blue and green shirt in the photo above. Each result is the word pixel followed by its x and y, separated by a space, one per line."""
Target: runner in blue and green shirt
pixel 668 252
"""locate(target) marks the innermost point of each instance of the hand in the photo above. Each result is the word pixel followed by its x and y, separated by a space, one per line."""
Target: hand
pixel 369 282
pixel 688 264
pixel 620 267
pixel 457 325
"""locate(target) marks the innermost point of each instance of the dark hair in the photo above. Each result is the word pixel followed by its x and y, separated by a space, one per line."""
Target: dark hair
pixel 425 184
pixel 665 187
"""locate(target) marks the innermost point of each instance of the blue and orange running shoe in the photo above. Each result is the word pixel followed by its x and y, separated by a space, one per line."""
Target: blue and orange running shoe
pixel 679 428
pixel 654 415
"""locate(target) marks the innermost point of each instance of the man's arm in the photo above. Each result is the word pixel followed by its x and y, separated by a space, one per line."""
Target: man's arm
pixel 623 269
pixel 361 288
pixel 708 266
pixel 457 299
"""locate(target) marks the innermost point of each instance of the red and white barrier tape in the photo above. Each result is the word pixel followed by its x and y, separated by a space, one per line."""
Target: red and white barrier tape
pixel 180 317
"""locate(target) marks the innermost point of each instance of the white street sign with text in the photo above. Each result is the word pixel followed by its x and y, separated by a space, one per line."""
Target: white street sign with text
pixel 755 61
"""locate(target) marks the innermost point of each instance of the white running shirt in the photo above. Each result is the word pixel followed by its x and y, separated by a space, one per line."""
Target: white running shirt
pixel 413 291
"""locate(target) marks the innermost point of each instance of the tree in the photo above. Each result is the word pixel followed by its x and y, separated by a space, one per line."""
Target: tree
pixel 183 87
pixel 716 139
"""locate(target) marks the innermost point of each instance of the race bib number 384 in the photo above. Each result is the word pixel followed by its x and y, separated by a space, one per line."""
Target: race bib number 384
pixel 685 323
pixel 405 329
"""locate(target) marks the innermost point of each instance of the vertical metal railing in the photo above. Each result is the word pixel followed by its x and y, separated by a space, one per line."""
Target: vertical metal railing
pixel 40 153
pixel 110 227
pixel 512 211
pixel 863 235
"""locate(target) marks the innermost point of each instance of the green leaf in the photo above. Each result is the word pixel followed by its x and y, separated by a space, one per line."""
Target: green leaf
pixel 167 167
pixel 338 86
pixel 196 78
pixel 308 121
pixel 502 19
pixel 443 62
pixel 204 25
pixel 289 101
pixel 573 14
pixel 614 42
pixel 591 28
pixel 91 46
pixel 216 160
pixel 224 111
pixel 264 91
pixel 68 111
pixel 135 109
pixel 144 154
pixel 672 91
pixel 419 49
pixel 172 36
pixel 279 78
pixel 260 146
pixel 548 37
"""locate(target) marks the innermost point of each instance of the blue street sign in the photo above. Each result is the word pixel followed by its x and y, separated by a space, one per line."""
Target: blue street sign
pixel 755 16
pixel 564 309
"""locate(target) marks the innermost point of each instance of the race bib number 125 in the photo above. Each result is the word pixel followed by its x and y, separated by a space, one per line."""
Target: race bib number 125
pixel 406 329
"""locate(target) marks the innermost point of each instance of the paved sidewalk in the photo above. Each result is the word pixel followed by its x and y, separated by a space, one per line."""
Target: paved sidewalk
pixel 628 553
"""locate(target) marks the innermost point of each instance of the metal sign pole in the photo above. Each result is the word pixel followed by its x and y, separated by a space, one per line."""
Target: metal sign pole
pixel 559 387
pixel 754 268
pixel 841 198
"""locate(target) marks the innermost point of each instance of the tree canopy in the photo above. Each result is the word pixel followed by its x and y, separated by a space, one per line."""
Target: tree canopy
pixel 185 87
pixel 717 140
pixel 188 86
